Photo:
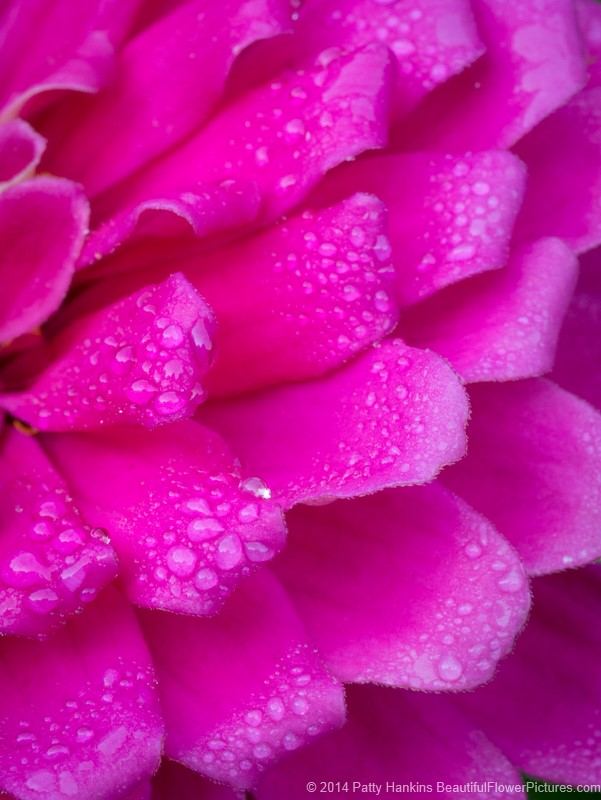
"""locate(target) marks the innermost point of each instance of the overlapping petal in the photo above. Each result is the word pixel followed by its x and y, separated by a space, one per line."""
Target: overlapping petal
pixel 21 149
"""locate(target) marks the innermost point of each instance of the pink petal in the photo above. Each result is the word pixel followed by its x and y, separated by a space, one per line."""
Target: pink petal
pixel 408 587
pixel 565 151
pixel 431 41
pixel 42 225
pixel 157 89
pixel 173 780
pixel 542 709
pixel 504 325
pixel 395 737
pixel 589 17
pixel 52 45
pixel 20 151
pixel 534 469
pixel 284 135
pixel 534 63
pixel 186 524
pixel 243 689
pixel 138 362
pixel 80 711
pixel 51 562
pixel 208 210
pixel 393 416
pixel 579 346
pixel 309 294
pixel 450 216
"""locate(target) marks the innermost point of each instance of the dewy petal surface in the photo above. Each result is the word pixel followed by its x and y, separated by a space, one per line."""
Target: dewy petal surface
pixel 408 587
pixel 169 79
pixel 451 216
pixel 42 226
pixel 51 562
pixel 284 135
pixel 393 416
pixel 503 325
pixel 422 739
pixel 534 62
pixel 565 151
pixel 534 469
pixel 243 689
pixel 80 713
pixel 542 709
pixel 20 151
pixel 141 361
pixel 186 524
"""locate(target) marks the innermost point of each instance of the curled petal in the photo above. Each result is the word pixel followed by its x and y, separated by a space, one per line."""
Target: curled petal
pixel 393 416
pixel 504 325
pixel 141 361
pixel 21 149
pixel 534 469
pixel 51 561
pixel 42 226
pixel 408 587
pixel 415 746
pixel 80 713
pixel 186 525
pixel 241 690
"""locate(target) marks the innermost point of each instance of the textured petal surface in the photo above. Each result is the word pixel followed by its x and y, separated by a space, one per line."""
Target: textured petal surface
pixel 408 587
pixel 140 361
pixel 542 709
pixel 51 562
pixel 579 345
pixel 534 469
pixel 20 151
pixel 393 416
pixel 157 89
pixel 589 17
pixel 504 325
pixel 422 739
pixel 284 135
pixel 185 523
pixel 42 226
pixel 451 216
pixel 243 689
pixel 80 714
pixel 565 151
pixel 534 62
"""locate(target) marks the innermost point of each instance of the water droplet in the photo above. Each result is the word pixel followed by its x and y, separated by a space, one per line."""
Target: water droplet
pixel 205 579
pixel 473 550
pixel 172 337
pixel 84 735
pixel 254 718
pixel 300 706
pixel 202 529
pixel 258 552
pixel 229 552
pixel 262 750
pixel 449 668
pixel 275 709
pixel 256 487
pixel 181 561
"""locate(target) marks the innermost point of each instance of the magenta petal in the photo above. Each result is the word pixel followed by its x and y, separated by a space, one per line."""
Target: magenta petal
pixel 408 587
pixel 308 294
pixel 242 689
pixel 504 325
pixel 186 524
pixel 579 347
pixel 141 361
pixel 431 41
pixel 534 62
pixel 80 714
pixel 42 225
pixel 284 135
pixel 175 781
pixel 396 737
pixel 51 562
pixel 393 416
pixel 451 216
pixel 20 151
pixel 565 150
pixel 589 17
pixel 546 722
pixel 157 92
pixel 533 468
pixel 207 210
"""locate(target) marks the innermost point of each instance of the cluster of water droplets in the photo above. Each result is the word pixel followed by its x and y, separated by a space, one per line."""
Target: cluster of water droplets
pixel 287 714
pixel 202 537
pixel 144 364
pixel 51 564
pixel 72 750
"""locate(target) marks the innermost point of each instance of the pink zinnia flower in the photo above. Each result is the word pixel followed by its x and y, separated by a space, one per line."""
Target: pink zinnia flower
pixel 235 569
